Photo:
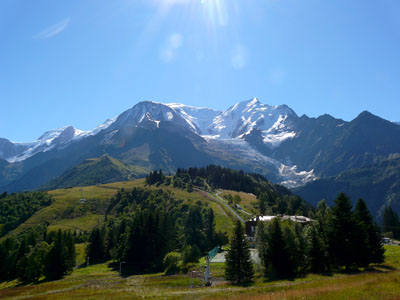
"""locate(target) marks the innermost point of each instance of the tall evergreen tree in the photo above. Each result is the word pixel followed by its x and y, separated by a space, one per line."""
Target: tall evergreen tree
pixel 373 251
pixel 35 262
pixel 262 203
pixel 342 242
pixel 317 250
pixel 193 228
pixel 96 249
pixel 57 259
pixel 391 222
pixel 261 242
pixel 209 229
pixel 71 253
pixel 23 250
pixel 278 259
pixel 238 265
pixel 294 259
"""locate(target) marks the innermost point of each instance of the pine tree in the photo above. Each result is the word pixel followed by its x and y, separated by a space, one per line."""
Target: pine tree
pixel 373 251
pixel 278 259
pixel 193 228
pixel 96 249
pixel 238 266
pixel 391 222
pixel 342 242
pixel 35 262
pixel 209 229
pixel 21 257
pixel 261 242
pixel 262 203
pixel 71 253
pixel 317 250
pixel 57 259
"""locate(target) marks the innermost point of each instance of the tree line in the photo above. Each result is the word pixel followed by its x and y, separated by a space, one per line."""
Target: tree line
pixel 217 177
pixel 35 254
pixel 16 208
pixel 143 226
pixel 272 199
pixel 339 239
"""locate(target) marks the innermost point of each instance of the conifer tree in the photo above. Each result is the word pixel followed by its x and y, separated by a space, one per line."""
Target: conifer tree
pixel 238 266
pixel 294 257
pixel 71 253
pixel 317 250
pixel 193 228
pixel 342 242
pixel 373 251
pixel 391 222
pixel 261 242
pixel 35 263
pixel 57 259
pixel 262 203
pixel 278 261
pixel 209 229
pixel 96 249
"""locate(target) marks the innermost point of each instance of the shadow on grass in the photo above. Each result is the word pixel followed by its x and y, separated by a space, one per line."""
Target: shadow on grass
pixel 127 270
pixel 383 266
pixel 40 281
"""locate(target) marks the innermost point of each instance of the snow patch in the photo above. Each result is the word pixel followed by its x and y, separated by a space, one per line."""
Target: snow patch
pixel 276 139
pixel 198 118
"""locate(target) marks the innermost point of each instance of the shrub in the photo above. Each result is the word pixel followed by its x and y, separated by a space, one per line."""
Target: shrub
pixel 171 262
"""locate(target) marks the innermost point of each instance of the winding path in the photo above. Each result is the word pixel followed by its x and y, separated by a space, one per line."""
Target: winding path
pixel 218 198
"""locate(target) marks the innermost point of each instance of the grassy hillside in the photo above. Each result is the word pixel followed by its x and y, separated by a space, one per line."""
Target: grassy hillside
pixel 102 281
pixel 93 171
pixel 67 213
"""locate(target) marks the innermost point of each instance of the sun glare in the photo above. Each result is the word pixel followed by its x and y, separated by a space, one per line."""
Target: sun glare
pixel 215 11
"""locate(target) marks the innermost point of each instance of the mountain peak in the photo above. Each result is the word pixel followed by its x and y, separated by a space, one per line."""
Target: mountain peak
pixel 148 113
pixel 274 122
pixel 365 113
pixel 366 116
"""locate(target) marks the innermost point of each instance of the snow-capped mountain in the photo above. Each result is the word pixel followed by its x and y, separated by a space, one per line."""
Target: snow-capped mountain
pixel 53 139
pixel 56 138
pixel 9 149
pixel 252 136
pixel 199 118
pixel 274 122
pixel 148 114
pixel 223 130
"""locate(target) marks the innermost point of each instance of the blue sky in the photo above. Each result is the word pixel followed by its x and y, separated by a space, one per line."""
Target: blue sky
pixel 81 62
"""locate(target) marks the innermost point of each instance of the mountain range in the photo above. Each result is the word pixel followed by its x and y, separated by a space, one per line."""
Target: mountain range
pixel 295 151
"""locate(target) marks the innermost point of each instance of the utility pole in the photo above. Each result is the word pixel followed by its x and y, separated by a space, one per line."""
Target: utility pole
pixel 120 268
pixel 207 272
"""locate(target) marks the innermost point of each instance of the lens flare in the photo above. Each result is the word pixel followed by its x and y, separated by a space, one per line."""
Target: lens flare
pixel 215 11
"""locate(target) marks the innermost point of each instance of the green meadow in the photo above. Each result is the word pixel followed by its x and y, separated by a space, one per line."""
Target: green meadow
pixel 102 281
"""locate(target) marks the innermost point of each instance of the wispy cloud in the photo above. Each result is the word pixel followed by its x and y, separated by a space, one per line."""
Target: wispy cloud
pixel 52 30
